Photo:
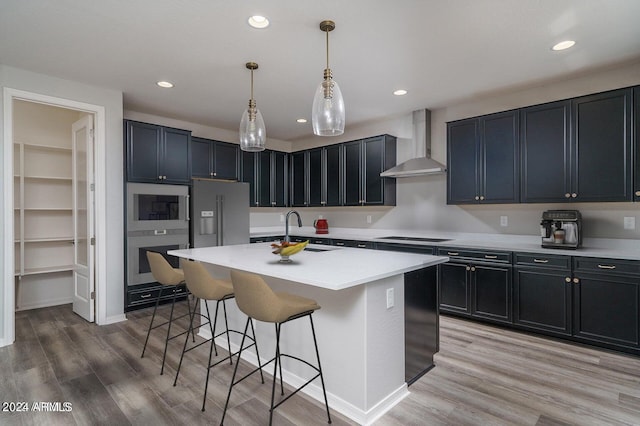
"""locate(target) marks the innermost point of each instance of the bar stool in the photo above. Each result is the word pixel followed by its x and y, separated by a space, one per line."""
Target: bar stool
pixel 173 278
pixel 204 287
pixel 256 299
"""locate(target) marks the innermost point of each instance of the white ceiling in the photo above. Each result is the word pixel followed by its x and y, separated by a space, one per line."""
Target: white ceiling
pixel 441 51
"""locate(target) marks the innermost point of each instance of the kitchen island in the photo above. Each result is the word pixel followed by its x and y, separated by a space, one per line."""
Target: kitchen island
pixel 360 326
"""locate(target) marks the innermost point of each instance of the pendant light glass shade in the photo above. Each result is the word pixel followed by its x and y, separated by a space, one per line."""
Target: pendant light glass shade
pixel 327 113
pixel 253 133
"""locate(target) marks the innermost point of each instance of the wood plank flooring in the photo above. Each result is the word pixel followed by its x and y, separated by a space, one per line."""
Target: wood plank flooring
pixel 484 375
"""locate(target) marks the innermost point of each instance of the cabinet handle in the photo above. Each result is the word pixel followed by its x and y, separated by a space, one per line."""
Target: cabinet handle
pixel 477 198
pixel 339 244
pixel 607 266
pixel 567 195
pixel 481 197
pixel 638 193
pixel 273 203
pixel 488 256
pixel 145 296
pixel 158 232
pixel 215 174
pixel 574 195
pixel 362 246
pixel 468 268
pixel 541 260
pixel 473 268
pixel 576 281
pixel 452 253
pixel 567 279
pixel 160 177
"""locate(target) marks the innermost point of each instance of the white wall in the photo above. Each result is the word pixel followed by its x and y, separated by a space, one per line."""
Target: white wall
pixel 111 100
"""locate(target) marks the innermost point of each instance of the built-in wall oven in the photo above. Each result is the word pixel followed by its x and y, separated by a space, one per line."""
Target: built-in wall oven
pixel 157 220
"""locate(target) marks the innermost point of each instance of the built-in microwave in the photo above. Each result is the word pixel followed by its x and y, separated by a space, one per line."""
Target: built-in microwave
pixel 157 207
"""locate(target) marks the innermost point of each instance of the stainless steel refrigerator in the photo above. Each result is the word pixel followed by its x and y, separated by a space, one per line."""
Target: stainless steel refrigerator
pixel 219 213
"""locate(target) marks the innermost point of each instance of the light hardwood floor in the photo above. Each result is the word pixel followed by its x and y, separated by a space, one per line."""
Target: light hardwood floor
pixel 484 375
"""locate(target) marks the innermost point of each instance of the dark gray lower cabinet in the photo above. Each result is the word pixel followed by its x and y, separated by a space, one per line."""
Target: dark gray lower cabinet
pixel 542 293
pixel 476 283
pixel 606 300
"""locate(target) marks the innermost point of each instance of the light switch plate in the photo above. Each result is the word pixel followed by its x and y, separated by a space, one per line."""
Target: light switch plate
pixel 390 298
pixel 504 220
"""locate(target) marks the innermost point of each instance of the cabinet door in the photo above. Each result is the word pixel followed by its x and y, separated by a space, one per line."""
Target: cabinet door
pixel 249 175
pixel 606 309
pixel 263 178
pixel 544 143
pixel 333 163
pixel 279 178
pixel 636 189
pixel 144 150
pixel 373 164
pixel 352 168
pixel 491 292
pixel 314 174
pixel 542 300
pixel 462 163
pixel 499 161
pixel 601 160
pixel 454 288
pixel 298 179
pixel 176 158
pixel 225 161
pixel 201 156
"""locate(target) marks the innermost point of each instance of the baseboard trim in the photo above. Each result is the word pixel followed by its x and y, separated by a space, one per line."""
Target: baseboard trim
pixel 113 319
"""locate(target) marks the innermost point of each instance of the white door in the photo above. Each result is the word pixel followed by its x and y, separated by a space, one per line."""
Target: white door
pixel 83 273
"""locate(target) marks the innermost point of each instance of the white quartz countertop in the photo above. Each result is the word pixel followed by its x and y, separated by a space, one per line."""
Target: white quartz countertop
pixel 591 247
pixel 335 268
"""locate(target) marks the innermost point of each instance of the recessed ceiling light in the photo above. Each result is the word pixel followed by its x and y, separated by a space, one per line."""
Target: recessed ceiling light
pixel 400 92
pixel 301 120
pixel 165 84
pixel 258 21
pixel 564 45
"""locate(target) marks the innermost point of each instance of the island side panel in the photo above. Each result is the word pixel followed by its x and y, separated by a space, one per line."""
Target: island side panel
pixel 385 344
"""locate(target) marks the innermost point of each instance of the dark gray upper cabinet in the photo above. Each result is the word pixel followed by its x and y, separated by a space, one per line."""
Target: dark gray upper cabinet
pixel 601 159
pixel 636 189
pixel 214 159
pixel 364 160
pixel 483 157
pixel 267 173
pixel 545 144
pixel 316 177
pixel 157 154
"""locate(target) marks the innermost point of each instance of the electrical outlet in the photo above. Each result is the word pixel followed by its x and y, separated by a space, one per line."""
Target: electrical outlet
pixel 320 216
pixel 629 222
pixel 281 218
pixel 390 301
pixel 504 221
pixel 368 218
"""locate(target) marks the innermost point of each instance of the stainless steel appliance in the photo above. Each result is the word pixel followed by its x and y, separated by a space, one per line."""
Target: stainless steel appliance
pixel 561 229
pixel 157 220
pixel 220 213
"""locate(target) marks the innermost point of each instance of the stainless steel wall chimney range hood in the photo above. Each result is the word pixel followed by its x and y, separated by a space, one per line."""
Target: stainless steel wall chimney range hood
pixel 422 164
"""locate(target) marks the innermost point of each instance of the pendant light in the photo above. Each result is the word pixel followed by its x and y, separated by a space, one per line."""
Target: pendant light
pixel 253 134
pixel 327 114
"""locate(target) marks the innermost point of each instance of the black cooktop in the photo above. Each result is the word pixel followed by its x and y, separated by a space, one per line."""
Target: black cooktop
pixel 428 240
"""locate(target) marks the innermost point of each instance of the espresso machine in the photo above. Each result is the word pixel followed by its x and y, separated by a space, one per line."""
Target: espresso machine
pixel 561 229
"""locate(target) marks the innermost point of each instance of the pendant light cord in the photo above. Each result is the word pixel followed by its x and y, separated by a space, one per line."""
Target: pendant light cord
pixel 327 33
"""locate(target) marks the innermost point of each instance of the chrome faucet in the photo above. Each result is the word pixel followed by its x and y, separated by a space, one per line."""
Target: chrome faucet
pixel 286 224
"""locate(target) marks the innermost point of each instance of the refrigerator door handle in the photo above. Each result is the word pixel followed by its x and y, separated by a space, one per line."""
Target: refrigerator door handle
pixel 187 208
pixel 219 210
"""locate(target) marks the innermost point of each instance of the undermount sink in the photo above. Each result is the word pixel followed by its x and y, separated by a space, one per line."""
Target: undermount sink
pixel 425 239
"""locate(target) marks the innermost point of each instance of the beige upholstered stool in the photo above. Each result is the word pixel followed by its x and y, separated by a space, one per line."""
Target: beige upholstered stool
pixel 173 278
pixel 204 287
pixel 256 299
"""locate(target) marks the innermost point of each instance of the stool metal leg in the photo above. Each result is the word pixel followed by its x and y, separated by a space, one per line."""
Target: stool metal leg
pixel 253 332
pixel 226 325
pixel 211 348
pixel 275 373
pixel 185 343
pixel 235 370
pixel 324 391
pixel 151 323
pixel 166 342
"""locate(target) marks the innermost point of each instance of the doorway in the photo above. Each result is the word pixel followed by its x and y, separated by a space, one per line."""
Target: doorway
pixel 80 186
pixel 53 207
